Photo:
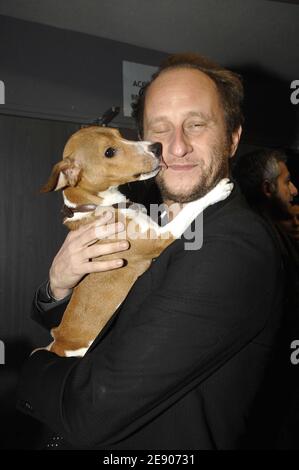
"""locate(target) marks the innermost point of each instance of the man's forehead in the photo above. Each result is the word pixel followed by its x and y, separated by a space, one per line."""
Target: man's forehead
pixel 183 90
pixel 283 169
pixel 183 79
pixel 156 119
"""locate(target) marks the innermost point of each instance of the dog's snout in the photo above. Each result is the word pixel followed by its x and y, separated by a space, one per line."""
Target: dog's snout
pixel 156 148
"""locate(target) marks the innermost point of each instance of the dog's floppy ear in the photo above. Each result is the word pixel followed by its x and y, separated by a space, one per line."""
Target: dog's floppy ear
pixel 65 173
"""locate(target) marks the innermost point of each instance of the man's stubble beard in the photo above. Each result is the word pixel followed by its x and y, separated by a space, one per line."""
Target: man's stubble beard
pixel 208 179
pixel 279 208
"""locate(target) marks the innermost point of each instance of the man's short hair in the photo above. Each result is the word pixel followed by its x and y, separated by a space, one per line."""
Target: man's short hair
pixel 255 168
pixel 229 87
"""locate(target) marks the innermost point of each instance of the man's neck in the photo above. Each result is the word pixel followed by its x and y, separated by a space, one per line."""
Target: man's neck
pixel 172 208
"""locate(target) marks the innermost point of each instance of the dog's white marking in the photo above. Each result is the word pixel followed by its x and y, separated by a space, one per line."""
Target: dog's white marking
pixel 81 351
pixel 67 202
pixel 141 220
pixel 77 352
pixel 77 215
pixel 142 146
pixel 68 353
pixel 185 217
pixel 146 176
pixel 112 196
pixel 191 210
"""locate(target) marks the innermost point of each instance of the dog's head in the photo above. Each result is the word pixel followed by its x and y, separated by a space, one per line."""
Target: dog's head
pixel 96 158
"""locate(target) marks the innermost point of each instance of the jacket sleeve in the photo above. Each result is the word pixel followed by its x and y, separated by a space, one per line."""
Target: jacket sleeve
pixel 210 305
pixel 45 311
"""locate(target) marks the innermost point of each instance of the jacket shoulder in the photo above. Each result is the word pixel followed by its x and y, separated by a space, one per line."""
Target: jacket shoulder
pixel 235 218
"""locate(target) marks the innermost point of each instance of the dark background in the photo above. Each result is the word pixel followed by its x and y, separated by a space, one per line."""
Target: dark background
pixel 55 81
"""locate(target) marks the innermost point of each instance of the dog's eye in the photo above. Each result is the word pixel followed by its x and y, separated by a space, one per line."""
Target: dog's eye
pixel 110 152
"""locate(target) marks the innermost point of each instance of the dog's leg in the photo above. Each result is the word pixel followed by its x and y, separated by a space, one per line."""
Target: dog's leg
pixel 186 216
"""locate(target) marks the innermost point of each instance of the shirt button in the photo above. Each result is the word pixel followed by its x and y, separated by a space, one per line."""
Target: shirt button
pixel 27 406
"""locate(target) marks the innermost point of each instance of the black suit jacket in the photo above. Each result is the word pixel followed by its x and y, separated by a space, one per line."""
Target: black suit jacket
pixel 182 363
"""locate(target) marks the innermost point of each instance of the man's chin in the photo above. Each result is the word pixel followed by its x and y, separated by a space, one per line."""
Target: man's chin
pixel 180 193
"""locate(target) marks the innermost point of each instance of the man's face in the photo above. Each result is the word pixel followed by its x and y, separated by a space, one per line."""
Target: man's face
pixel 285 191
pixel 183 112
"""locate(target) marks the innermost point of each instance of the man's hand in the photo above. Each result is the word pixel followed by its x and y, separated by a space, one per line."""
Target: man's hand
pixel 72 262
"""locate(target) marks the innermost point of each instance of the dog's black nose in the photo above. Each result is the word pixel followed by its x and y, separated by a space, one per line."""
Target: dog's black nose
pixel 156 148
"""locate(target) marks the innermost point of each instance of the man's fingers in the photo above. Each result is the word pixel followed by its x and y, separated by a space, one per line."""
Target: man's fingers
pixel 102 219
pixel 97 232
pixel 99 266
pixel 105 231
pixel 72 260
pixel 101 249
pixel 107 216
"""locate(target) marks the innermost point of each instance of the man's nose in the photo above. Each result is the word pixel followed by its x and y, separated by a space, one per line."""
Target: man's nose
pixel 180 144
pixel 293 189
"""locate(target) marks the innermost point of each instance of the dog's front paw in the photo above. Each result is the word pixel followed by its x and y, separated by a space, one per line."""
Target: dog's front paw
pixel 221 191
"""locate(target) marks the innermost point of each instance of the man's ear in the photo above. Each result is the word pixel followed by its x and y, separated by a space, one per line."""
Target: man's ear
pixel 267 189
pixel 235 141
pixel 65 173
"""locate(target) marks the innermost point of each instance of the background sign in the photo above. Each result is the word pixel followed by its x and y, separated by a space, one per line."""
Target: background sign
pixel 2 92
pixel 134 77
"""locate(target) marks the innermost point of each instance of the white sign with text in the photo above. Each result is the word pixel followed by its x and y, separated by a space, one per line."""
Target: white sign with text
pixel 134 77
pixel 2 92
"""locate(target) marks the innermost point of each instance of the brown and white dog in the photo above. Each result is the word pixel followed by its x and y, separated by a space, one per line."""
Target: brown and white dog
pixel 96 161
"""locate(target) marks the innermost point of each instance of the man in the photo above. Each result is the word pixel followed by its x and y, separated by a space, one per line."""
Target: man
pixel 182 362
pixel 265 181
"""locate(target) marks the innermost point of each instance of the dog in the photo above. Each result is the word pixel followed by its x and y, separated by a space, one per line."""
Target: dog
pixel 96 160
